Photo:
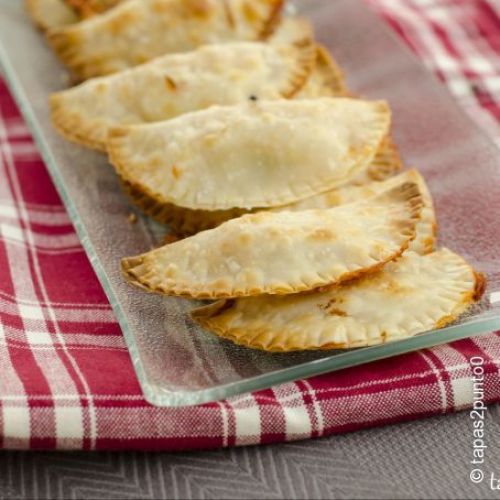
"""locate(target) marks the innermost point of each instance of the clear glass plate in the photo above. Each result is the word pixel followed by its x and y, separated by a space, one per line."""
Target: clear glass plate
pixel 179 364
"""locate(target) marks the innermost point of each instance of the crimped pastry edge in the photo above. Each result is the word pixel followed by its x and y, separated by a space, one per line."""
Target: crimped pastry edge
pixel 136 270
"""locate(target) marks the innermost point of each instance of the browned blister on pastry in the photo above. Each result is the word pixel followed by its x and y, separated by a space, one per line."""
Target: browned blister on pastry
pixel 176 84
pixel 283 252
pixel 409 296
pixel 137 31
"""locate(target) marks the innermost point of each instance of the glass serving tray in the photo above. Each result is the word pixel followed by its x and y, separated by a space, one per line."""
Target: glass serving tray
pixel 176 362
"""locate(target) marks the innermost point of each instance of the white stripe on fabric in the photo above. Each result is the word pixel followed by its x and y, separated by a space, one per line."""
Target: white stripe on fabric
pixel 71 398
pixel 15 129
pixel 39 240
pixel 225 423
pixel 39 338
pixel 317 407
pixel 42 217
pixel 11 299
pixel 297 422
pixel 247 419
pixel 363 385
pixel 22 151
pixel 77 315
pixel 10 385
pixel 297 418
pixel 69 423
pixel 439 379
pixel 462 392
pixel 16 422
pixel 31 312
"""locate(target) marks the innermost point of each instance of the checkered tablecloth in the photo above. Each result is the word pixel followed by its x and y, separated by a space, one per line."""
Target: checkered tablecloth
pixel 66 379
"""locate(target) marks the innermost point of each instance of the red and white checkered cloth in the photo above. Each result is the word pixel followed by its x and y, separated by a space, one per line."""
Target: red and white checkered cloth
pixel 66 379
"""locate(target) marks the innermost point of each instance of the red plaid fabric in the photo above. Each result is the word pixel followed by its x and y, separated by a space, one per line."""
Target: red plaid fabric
pixel 459 40
pixel 66 380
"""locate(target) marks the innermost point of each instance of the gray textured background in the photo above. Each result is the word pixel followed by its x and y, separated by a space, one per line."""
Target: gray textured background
pixel 422 459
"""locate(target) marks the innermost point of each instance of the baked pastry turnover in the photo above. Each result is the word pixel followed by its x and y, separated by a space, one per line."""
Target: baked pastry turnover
pixel 409 296
pixel 283 252
pixel 260 154
pixel 136 31
pixel 175 84
pixel 185 221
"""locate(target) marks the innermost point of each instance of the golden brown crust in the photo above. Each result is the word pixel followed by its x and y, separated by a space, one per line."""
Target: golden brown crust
pixel 230 319
pixel 272 22
pixel 408 192
pixel 429 244
pixel 135 272
pixel 183 221
pixel 327 79
pixel 305 66
pixel 204 315
pixel 64 43
pixel 333 76
pixel 480 286
pixel 469 298
pixel 387 161
pixel 72 127
pixel 84 8
pixel 144 272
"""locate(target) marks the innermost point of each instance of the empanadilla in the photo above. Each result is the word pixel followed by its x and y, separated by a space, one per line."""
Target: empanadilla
pixel 409 296
pixel 257 154
pixel 186 222
pixel 136 31
pixel 175 84
pixel 283 252
pixel 350 193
